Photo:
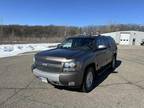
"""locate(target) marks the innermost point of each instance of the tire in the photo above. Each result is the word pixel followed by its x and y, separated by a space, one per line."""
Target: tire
pixel 88 81
pixel 113 63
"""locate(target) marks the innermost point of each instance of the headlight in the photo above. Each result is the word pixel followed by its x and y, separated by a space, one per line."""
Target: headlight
pixel 33 59
pixel 70 66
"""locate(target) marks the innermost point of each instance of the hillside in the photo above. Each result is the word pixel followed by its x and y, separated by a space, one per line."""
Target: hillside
pixel 52 33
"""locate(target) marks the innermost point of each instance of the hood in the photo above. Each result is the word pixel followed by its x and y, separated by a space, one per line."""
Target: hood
pixel 62 53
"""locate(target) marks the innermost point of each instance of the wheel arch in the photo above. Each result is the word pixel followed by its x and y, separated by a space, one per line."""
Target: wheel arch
pixel 93 65
pixel 85 72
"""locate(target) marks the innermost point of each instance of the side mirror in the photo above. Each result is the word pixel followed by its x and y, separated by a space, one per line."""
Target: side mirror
pixel 101 47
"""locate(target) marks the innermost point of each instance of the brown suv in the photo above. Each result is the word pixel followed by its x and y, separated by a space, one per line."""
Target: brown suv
pixel 76 61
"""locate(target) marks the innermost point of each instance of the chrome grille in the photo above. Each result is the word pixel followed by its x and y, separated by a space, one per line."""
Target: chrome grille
pixel 48 65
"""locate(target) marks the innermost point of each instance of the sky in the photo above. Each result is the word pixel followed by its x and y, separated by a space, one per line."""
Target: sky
pixel 71 12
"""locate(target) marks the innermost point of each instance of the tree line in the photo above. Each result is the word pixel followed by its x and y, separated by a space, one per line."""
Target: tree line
pixel 53 33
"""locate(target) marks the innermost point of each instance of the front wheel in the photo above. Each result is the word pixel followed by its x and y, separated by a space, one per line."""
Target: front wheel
pixel 88 80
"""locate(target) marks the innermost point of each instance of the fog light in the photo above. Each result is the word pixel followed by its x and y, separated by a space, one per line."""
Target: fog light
pixel 71 83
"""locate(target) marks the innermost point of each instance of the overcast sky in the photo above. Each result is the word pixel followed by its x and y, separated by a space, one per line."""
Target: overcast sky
pixel 71 12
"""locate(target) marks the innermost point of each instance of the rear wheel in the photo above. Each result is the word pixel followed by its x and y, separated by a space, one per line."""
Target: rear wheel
pixel 88 80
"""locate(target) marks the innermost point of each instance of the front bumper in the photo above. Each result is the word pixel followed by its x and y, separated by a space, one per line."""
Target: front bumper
pixel 61 79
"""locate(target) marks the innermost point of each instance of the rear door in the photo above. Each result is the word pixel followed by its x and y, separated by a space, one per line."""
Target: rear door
pixel 109 52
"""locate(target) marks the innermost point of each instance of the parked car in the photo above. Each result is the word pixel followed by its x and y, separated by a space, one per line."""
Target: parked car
pixel 76 61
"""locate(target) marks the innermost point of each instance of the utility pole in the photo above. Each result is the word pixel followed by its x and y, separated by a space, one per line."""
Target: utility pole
pixel 65 31
pixel 1 27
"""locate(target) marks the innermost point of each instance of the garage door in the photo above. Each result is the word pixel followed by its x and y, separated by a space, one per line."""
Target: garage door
pixel 124 39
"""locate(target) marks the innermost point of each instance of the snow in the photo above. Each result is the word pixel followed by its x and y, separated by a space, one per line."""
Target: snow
pixel 16 49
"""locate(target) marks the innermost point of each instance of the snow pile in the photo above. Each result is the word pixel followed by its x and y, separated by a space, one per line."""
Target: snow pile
pixel 15 49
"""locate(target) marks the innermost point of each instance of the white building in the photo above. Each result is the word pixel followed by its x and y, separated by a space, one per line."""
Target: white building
pixel 127 37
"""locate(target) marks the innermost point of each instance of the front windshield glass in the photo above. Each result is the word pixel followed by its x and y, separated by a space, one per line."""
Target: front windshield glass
pixel 78 43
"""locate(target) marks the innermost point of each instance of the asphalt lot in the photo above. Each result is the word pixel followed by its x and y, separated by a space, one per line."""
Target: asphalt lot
pixel 123 88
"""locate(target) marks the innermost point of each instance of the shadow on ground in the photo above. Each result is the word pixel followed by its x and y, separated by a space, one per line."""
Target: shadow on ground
pixel 103 74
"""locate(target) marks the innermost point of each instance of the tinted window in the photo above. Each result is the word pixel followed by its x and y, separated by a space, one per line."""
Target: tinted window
pixel 100 41
pixel 106 41
pixel 111 41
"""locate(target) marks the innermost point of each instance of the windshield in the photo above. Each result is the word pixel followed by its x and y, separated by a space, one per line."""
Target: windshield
pixel 78 43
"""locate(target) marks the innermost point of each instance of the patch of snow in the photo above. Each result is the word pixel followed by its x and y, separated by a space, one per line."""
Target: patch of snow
pixel 15 49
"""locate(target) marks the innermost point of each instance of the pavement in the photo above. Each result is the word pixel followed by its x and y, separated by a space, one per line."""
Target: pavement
pixel 121 88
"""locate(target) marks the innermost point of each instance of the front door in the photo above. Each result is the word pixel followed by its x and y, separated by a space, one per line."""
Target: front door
pixel 100 54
